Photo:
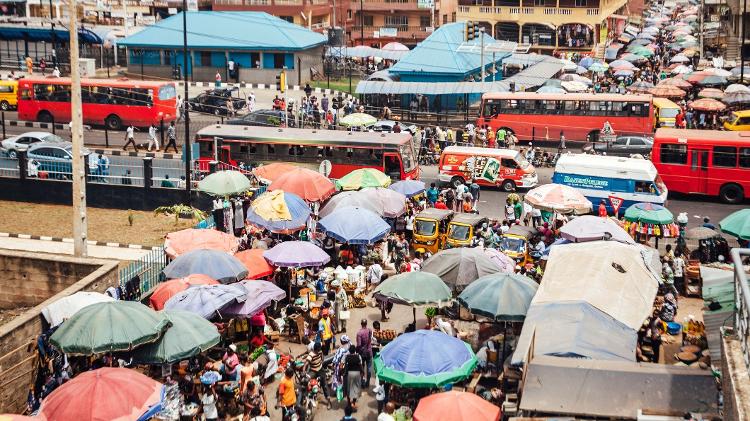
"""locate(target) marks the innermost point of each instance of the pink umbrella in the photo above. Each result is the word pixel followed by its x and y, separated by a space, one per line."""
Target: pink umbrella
pixel 558 198
pixel 395 46
pixel 183 241
pixel 507 265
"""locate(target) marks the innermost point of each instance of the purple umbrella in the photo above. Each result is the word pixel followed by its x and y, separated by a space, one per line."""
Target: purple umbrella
pixel 592 228
pixel 260 294
pixel 296 254
pixel 206 300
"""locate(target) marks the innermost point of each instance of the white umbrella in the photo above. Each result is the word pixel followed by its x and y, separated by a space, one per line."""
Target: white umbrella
pixel 718 72
pixel 736 87
pixel 680 58
pixel 574 86
pixel 66 307
pixel 681 69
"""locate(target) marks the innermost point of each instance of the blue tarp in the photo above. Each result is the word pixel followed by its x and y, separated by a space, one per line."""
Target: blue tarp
pixel 254 31
pixel 574 329
pixel 20 32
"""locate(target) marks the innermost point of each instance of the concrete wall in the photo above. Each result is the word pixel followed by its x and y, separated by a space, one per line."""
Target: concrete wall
pixel 18 356
pixel 735 382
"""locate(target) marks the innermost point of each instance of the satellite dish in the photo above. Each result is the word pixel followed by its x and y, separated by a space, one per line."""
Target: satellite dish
pixel 325 167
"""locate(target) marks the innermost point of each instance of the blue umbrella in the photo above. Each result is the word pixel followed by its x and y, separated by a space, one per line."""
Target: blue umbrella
pixel 624 73
pixel 206 300
pixel 425 358
pixel 354 225
pixel 586 62
pixel 264 212
pixel 500 296
pixel 408 188
pixel 551 90
pixel 219 265
pixel 210 377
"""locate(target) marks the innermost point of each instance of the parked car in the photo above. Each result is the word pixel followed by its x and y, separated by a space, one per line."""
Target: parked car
pixel 12 145
pixel 56 159
pixel 624 145
pixel 267 118
pixel 214 101
pixel 388 125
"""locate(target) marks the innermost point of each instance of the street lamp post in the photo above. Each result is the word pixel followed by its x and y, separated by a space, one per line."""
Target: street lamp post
pixel 361 23
pixel 742 44
pixel 186 149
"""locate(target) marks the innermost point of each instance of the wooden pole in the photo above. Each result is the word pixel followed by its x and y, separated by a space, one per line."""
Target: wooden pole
pixel 79 169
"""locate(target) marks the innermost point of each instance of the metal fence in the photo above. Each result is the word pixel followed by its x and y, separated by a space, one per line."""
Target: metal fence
pixel 146 271
pixel 9 167
pixel 742 302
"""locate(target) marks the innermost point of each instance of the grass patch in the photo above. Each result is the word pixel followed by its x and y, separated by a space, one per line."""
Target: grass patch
pixel 110 225
pixel 341 85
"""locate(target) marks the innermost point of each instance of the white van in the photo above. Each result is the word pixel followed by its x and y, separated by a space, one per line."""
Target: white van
pixel 634 180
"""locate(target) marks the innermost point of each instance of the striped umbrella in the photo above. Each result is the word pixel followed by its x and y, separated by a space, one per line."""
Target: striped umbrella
pixel 558 198
pixel 707 104
pixel 666 91
pixel 711 93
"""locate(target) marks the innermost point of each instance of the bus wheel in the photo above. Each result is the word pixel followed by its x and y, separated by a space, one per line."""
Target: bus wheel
pixel 455 181
pixel 44 117
pixel 4 106
pixel 731 193
pixel 113 122
pixel 508 185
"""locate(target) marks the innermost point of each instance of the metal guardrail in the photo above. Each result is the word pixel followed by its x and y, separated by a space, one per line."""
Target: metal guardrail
pixel 742 302
pixel 147 269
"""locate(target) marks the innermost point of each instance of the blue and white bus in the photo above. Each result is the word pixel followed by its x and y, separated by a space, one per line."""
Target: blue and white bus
pixel 599 177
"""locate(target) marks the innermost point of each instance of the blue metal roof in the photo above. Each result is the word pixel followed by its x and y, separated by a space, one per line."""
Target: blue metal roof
pixel 256 31
pixel 38 33
pixel 439 55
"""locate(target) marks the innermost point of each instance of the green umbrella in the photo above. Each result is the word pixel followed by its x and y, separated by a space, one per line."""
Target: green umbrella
pixel 414 288
pixel 363 178
pixel 642 51
pixel 108 327
pixel 189 335
pixel 737 224
pixel 500 296
pixel 224 183
pixel 649 213
pixel 358 120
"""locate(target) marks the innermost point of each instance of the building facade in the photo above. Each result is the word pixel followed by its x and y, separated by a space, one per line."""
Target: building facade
pixel 312 14
pixel 378 22
pixel 545 25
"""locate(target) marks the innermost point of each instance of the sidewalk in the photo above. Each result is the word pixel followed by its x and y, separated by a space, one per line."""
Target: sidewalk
pixel 65 246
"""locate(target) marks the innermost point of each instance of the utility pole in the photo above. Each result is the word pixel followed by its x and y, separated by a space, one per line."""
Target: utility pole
pixel 76 133
pixel 742 44
pixel 361 23
pixel 481 51
pixel 186 148
pixel 703 8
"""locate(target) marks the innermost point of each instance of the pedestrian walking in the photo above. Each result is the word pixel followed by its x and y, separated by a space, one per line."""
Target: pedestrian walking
pixel 474 190
pixel 42 64
pixel 152 140
pixel 171 137
pixel 29 65
pixel 562 141
pixel 217 83
pixel 314 362
pixel 286 394
pixel 179 111
pixel 354 371
pixel 251 102
pixel 364 348
pixel 130 138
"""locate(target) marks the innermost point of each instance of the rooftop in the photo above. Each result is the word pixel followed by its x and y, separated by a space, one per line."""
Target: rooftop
pixel 256 31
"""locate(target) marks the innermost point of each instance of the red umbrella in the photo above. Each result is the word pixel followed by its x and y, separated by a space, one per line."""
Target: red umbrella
pixel 711 93
pixel 183 241
pixel 707 104
pixel 307 184
pixel 696 77
pixel 256 264
pixel 166 290
pixel 271 172
pixel 449 406
pixel 667 91
pixel 674 81
pixel 15 417
pixel 113 394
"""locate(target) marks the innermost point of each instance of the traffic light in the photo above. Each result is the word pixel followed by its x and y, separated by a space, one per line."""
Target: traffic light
pixel 281 81
pixel 477 34
pixel 469 31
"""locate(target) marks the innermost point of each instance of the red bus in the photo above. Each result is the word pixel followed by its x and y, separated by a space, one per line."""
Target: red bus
pixel 330 151
pixel 535 116
pixel 114 103
pixel 704 161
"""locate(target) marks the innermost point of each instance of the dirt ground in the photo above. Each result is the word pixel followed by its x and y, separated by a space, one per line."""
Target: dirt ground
pixel 109 225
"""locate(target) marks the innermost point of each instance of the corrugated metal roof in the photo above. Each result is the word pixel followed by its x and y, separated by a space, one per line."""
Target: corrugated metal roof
pixel 536 74
pixel 255 31
pixel 428 88
pixel 365 51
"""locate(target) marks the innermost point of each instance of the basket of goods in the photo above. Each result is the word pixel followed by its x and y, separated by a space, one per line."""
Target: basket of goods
pixel 384 336
pixel 358 301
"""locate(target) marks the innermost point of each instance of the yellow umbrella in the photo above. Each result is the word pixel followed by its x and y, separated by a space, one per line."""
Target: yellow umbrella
pixel 272 206
pixel 363 177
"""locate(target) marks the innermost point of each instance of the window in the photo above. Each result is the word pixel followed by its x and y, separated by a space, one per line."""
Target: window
pixel 743 121
pixel 205 58
pixel 539 3
pixel 620 141
pixel 671 153
pixel 289 19
pixel 397 21
pixel 508 163
pixel 168 57
pixel 424 21
pixel 445 19
pixel 368 20
pixel 6 89
pixel 725 156
pixel 255 60
pixel 637 141
pixel 349 14
pixel 278 61
pixel 581 3
pixel 744 157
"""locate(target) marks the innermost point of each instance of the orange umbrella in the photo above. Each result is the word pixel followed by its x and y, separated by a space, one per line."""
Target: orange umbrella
pixel 114 394
pixel 448 406
pixel 307 184
pixel 165 290
pixel 707 104
pixel 673 81
pixel 256 264
pixel 667 91
pixel 183 241
pixel 696 77
pixel 271 172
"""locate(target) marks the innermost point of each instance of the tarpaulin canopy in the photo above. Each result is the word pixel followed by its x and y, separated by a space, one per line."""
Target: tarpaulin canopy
pixel 574 329
pixel 616 278
pixel 365 51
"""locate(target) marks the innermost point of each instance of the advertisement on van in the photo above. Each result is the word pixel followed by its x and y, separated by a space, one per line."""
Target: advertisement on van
pixel 498 167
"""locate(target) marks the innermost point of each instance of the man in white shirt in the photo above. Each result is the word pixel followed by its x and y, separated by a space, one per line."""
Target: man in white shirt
pixel 152 139
pixel 387 415
pixel 251 102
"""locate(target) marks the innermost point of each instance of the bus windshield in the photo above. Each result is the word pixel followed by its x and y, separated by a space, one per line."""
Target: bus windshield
pixel 425 227
pixel 521 160
pixel 407 156
pixel 458 232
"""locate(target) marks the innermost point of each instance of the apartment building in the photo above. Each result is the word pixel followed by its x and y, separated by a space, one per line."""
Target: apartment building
pixel 378 22
pixel 546 25
pixel 313 14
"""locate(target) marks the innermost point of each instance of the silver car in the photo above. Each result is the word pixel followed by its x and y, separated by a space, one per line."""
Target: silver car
pixel 56 158
pixel 12 145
